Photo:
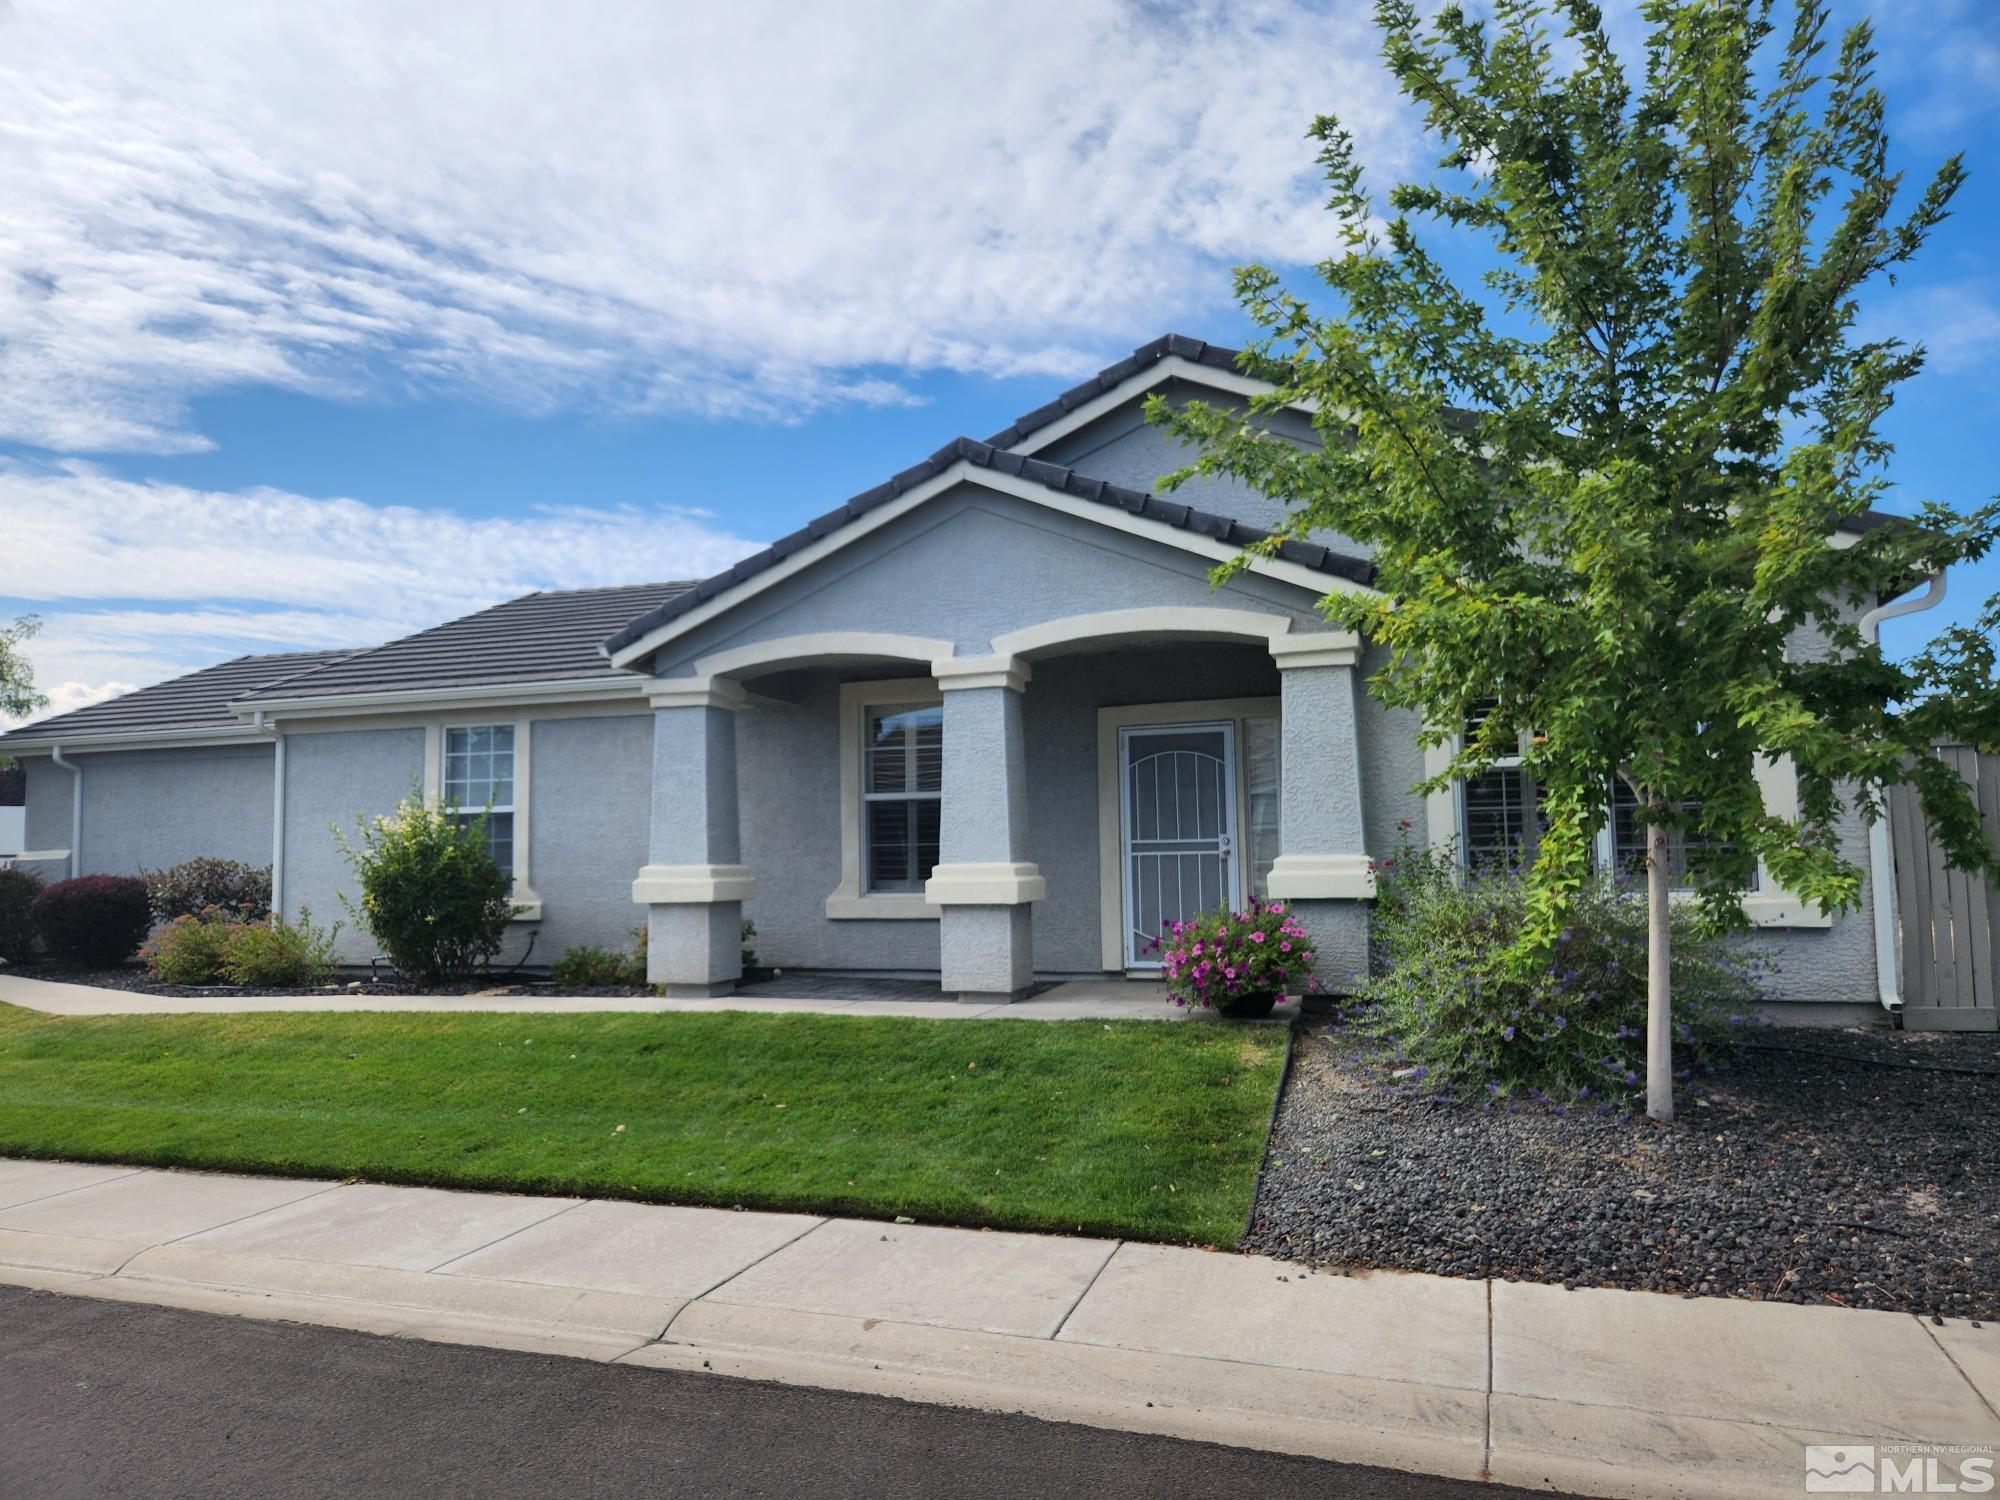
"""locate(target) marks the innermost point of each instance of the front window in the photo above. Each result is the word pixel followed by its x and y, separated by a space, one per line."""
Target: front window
pixel 902 779
pixel 1628 841
pixel 1500 807
pixel 479 780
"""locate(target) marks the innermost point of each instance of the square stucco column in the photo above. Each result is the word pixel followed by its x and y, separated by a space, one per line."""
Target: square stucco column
pixel 694 885
pixel 984 883
pixel 1322 871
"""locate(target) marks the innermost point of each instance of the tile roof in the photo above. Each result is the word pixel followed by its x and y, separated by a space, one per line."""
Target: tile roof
pixel 551 636
pixel 200 700
pixel 987 456
pixel 1215 356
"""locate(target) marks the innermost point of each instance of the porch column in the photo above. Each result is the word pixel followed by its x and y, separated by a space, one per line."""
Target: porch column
pixel 695 885
pixel 1322 869
pixel 984 882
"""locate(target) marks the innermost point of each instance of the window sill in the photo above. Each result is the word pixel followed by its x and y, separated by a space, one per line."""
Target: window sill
pixel 1775 909
pixel 846 905
pixel 527 906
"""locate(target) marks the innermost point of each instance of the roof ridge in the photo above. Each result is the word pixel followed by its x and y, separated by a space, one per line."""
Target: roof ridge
pixel 1179 345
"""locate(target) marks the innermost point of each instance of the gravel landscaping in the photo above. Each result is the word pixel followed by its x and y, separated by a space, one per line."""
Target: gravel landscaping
pixel 1857 1168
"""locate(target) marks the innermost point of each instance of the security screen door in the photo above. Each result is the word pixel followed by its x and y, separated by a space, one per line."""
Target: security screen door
pixel 1177 828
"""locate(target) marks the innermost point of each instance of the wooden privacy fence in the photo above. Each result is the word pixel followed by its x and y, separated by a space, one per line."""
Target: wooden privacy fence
pixel 1949 920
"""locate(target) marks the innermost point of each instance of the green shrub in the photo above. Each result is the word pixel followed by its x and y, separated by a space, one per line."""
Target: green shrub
pixel 279 954
pixel 196 886
pixel 18 889
pixel 431 894
pixel 190 949
pixel 590 967
pixel 97 920
pixel 1574 1029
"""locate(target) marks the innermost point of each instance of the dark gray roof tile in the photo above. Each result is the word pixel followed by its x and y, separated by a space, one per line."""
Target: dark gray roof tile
pixel 199 700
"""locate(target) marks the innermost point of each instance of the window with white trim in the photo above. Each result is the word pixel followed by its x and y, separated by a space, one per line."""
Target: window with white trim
pixel 479 781
pixel 1499 809
pixel 902 785
pixel 1628 841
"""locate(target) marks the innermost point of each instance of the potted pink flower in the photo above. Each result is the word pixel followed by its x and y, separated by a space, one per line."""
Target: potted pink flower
pixel 1239 963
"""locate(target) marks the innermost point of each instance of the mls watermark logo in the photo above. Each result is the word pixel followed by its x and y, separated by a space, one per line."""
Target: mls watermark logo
pixel 1840 1471
pixel 1866 1469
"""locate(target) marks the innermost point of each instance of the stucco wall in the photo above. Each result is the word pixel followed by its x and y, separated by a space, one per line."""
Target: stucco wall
pixel 1123 447
pixel 330 780
pixel 147 809
pixel 589 806
pixel 973 564
pixel 48 803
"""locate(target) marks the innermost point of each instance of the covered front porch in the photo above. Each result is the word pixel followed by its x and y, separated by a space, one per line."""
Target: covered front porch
pixel 988 822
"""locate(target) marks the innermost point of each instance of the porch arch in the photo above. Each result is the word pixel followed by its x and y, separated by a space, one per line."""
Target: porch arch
pixel 1154 623
pixel 820 649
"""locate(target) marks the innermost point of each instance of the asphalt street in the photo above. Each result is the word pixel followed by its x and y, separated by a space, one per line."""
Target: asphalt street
pixel 102 1399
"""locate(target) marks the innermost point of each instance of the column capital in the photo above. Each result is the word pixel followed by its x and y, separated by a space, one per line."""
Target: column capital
pixel 956 673
pixel 988 883
pixel 693 885
pixel 1326 648
pixel 695 692
pixel 1321 877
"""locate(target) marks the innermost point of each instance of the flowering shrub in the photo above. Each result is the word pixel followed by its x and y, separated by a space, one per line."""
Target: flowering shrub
pixel 189 949
pixel 94 919
pixel 18 889
pixel 217 948
pixel 278 954
pixel 591 967
pixel 1223 955
pixel 431 893
pixel 194 886
pixel 1574 1030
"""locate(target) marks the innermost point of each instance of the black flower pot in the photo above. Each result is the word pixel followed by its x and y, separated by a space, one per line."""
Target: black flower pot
pixel 1250 1007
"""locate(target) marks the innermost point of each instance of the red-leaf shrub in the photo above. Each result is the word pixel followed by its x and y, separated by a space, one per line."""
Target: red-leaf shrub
pixel 94 919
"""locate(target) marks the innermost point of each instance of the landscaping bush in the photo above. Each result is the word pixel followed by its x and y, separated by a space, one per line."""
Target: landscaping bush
pixel 98 920
pixel 1467 1022
pixel 18 889
pixel 279 954
pixel 431 893
pixel 589 967
pixel 190 948
pixel 195 886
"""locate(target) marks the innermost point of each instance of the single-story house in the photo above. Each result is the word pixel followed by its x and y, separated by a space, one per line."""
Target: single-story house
pixel 988 721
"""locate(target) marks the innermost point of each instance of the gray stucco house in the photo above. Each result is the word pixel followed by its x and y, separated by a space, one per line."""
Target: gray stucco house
pixel 988 721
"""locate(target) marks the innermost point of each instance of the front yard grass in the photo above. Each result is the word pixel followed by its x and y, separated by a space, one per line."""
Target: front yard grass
pixel 1136 1128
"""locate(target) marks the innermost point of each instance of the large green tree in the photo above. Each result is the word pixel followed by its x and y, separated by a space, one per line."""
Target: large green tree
pixel 1606 484
pixel 18 697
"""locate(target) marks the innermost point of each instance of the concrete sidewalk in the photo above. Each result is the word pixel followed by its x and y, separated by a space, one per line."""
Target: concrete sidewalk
pixel 1079 999
pixel 1605 1392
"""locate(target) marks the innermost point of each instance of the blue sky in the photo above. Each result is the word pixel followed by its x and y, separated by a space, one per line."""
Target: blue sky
pixel 315 328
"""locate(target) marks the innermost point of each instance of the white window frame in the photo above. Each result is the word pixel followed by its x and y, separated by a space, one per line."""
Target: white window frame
pixel 850 900
pixel 1769 905
pixel 527 903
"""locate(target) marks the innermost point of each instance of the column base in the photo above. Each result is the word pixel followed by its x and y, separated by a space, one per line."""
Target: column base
pixel 986 950
pixel 1339 932
pixel 714 991
pixel 695 949
pixel 992 997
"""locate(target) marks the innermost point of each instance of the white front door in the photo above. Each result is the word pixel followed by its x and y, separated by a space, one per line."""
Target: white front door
pixel 1177 828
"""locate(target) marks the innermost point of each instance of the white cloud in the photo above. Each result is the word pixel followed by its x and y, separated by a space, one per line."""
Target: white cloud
pixel 1958 323
pixel 128 575
pixel 735 210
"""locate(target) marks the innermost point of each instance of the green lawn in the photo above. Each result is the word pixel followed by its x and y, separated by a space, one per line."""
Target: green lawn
pixel 1136 1128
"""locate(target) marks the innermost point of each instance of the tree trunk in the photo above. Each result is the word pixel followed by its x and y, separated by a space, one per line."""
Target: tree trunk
pixel 1659 979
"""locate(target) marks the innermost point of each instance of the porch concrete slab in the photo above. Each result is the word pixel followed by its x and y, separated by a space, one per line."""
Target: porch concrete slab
pixel 150 1208
pixel 372 1224
pixel 1383 1326
pixel 25 1181
pixel 1123 991
pixel 1828 1370
pixel 636 1248
pixel 912 1273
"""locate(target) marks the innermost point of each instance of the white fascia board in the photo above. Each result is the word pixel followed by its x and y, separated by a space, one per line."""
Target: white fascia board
pixel 484 695
pixel 154 739
pixel 1173 367
pixel 965 472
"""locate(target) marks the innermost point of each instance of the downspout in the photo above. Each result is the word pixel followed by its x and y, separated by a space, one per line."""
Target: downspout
pixel 75 809
pixel 277 820
pixel 1881 863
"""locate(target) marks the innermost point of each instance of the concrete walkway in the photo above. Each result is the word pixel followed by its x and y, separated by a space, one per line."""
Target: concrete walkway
pixel 1603 1392
pixel 1080 999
